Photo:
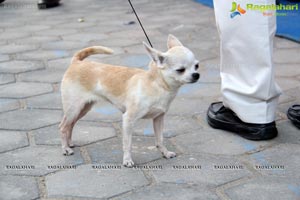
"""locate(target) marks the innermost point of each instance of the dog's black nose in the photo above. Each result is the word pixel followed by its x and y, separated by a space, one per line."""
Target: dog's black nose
pixel 195 76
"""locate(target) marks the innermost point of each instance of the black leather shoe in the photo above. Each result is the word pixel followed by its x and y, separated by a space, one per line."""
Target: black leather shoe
pixel 43 4
pixel 293 114
pixel 223 118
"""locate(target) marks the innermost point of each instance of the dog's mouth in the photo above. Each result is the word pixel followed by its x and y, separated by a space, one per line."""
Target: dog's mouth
pixel 193 81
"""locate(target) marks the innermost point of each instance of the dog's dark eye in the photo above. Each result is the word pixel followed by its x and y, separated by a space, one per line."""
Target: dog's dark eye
pixel 181 70
pixel 196 66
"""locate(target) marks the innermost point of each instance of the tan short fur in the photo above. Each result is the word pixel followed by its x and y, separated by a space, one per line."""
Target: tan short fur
pixel 136 92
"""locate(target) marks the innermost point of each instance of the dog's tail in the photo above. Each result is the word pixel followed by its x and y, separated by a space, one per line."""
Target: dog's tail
pixel 82 54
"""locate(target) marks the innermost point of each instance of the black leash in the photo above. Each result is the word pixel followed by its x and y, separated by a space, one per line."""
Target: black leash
pixel 140 23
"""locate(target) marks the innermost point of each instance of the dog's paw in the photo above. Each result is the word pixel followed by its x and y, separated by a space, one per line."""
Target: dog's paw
pixel 128 163
pixel 169 154
pixel 67 151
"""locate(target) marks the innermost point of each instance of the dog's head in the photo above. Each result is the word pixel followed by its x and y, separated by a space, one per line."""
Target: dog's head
pixel 178 64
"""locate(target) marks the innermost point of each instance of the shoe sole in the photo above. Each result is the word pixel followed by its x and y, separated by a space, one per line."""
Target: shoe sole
pixel 266 134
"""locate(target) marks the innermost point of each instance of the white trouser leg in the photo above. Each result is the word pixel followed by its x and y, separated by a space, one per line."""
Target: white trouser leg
pixel 247 72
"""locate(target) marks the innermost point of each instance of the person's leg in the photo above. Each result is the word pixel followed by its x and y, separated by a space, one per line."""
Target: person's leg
pixel 247 72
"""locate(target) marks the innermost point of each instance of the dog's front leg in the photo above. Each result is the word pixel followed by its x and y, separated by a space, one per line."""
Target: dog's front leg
pixel 158 125
pixel 128 123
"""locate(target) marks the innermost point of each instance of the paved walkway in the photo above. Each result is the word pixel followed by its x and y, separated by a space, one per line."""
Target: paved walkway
pixel 35 49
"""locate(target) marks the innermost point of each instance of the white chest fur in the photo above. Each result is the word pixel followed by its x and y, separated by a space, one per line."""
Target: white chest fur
pixel 159 105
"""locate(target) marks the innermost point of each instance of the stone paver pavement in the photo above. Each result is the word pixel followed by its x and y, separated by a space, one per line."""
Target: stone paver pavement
pixel 35 49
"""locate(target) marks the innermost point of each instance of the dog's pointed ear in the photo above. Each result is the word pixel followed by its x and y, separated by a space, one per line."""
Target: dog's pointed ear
pixel 173 41
pixel 157 56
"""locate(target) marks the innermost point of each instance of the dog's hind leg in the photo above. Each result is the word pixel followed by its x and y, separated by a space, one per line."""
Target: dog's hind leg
pixel 87 107
pixel 72 114
pixel 65 130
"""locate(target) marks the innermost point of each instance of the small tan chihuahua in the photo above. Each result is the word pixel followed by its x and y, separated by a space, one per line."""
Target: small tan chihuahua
pixel 137 93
